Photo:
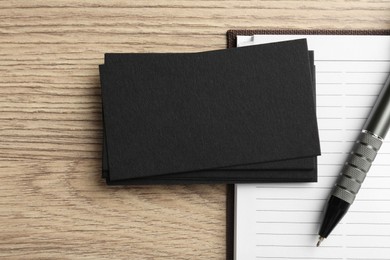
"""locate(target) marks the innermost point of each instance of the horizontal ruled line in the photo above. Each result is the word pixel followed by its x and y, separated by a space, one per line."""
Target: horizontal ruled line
pixel 361 95
pixel 372 200
pixel 289 187
pixel 287 199
pixel 366 235
pixel 367 223
pixel 287 222
pixel 285 234
pixel 292 257
pixel 327 83
pixel 368 258
pixel 367 247
pixel 358 83
pixel 287 210
pixel 296 246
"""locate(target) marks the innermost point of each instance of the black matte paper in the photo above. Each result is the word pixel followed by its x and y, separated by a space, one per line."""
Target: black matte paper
pixel 280 171
pixel 116 59
pixel 165 114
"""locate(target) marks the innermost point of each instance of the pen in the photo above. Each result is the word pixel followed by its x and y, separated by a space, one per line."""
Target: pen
pixel 358 163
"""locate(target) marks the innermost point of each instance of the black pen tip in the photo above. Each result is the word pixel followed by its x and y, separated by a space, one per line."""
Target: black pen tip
pixel 320 241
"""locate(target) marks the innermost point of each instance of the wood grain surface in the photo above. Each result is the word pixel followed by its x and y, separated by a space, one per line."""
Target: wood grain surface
pixel 53 203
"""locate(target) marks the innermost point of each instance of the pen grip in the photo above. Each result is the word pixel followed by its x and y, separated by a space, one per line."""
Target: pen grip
pixel 356 167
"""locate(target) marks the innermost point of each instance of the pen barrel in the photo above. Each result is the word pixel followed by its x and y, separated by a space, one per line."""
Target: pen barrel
pixel 356 167
pixel 378 121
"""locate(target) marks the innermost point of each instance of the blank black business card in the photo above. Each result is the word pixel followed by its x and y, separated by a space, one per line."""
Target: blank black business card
pixel 168 115
pixel 295 170
pixel 117 59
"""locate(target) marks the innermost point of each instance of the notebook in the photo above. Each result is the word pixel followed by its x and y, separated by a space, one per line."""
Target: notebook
pixel 281 221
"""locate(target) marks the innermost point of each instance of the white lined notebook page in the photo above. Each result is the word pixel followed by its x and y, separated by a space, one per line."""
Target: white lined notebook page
pixel 281 221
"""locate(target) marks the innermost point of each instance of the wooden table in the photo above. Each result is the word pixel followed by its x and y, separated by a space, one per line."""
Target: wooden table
pixel 53 203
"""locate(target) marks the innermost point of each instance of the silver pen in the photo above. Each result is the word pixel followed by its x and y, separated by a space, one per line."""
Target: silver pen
pixel 358 163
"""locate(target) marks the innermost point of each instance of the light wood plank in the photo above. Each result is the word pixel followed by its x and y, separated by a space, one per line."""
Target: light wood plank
pixel 53 203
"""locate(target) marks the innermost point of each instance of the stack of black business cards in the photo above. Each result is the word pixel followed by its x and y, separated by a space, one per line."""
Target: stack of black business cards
pixel 227 116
